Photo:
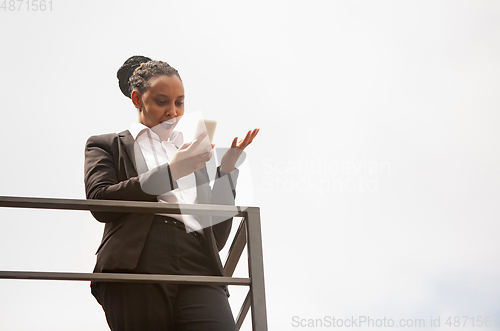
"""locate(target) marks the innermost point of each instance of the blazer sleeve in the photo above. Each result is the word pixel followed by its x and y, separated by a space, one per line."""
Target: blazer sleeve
pixel 108 175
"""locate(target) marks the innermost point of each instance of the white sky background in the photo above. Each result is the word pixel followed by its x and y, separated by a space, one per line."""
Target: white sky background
pixel 376 168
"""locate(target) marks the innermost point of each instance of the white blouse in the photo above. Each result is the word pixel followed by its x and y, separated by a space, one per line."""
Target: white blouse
pixel 157 152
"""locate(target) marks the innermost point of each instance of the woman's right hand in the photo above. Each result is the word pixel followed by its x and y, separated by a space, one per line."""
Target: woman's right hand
pixel 188 158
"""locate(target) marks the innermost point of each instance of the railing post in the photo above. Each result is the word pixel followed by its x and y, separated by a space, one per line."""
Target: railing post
pixel 256 270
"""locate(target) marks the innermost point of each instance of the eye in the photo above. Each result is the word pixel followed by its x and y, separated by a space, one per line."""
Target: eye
pixel 180 103
pixel 161 102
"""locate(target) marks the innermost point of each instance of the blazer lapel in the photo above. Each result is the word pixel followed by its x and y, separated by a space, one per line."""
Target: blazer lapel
pixel 133 151
pixel 128 142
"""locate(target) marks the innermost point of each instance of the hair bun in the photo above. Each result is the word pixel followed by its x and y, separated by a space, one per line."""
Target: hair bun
pixel 127 69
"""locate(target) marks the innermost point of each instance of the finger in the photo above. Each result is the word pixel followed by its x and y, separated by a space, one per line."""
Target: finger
pixel 233 144
pixel 202 161
pixel 245 140
pixel 209 148
pixel 250 136
pixel 203 151
pixel 206 157
pixel 254 133
pixel 241 141
pixel 185 145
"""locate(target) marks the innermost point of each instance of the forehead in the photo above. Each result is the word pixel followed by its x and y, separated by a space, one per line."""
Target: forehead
pixel 168 85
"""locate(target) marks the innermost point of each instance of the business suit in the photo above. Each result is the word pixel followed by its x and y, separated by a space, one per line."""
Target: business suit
pixel 111 173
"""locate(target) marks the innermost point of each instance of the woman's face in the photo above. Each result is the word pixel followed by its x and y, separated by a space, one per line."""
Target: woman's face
pixel 162 101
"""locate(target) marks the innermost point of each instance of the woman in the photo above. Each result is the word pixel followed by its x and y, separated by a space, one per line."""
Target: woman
pixel 150 162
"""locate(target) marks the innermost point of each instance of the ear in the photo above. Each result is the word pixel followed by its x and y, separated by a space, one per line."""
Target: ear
pixel 136 99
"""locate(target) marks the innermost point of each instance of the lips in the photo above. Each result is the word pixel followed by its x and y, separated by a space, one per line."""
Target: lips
pixel 168 124
pixel 165 128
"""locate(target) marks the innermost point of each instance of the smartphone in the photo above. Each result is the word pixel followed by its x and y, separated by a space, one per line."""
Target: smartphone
pixel 205 126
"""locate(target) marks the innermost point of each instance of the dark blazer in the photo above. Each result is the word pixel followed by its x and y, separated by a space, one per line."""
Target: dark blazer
pixel 111 174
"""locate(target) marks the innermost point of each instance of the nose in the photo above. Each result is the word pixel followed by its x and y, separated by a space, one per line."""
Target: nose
pixel 171 111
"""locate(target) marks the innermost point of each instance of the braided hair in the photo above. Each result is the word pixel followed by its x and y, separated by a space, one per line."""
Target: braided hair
pixel 137 71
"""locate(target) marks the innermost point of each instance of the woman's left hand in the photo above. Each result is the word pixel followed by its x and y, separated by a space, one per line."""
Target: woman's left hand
pixel 229 159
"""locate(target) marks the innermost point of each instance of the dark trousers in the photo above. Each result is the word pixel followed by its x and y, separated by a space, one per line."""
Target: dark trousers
pixel 169 249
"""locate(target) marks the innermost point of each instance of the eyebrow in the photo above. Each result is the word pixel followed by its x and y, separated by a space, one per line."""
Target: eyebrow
pixel 166 96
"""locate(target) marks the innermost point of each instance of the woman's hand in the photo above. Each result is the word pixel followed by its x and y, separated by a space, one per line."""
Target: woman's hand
pixel 188 158
pixel 229 159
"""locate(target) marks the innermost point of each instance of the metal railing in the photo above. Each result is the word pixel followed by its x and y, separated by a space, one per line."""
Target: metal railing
pixel 248 234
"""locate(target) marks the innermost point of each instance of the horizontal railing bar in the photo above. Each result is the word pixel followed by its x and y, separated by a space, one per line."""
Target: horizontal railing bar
pixel 124 206
pixel 236 249
pixel 118 277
